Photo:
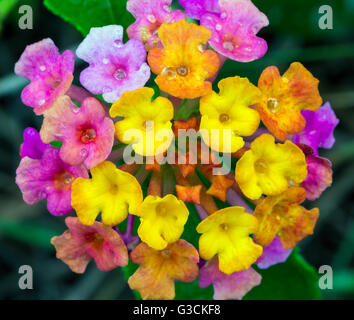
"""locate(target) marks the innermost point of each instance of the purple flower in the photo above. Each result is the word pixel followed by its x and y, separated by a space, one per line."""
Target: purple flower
pixel 50 73
pixel 232 286
pixel 150 15
pixel 319 176
pixel 114 67
pixel 48 178
pixel 273 254
pixel 234 30
pixel 318 132
pixel 87 132
pixel 32 147
pixel 195 9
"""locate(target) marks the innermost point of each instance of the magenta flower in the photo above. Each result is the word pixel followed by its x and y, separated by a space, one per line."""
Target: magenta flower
pixel 48 178
pixel 114 67
pixel 234 30
pixel 80 244
pixel 318 132
pixel 150 15
pixel 233 286
pixel 50 73
pixel 87 133
pixel 32 147
pixel 195 9
pixel 273 254
pixel 319 176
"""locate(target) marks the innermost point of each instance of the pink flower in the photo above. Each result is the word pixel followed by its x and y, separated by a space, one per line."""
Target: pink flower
pixel 86 132
pixel 234 30
pixel 273 254
pixel 32 147
pixel 319 176
pixel 78 245
pixel 150 15
pixel 195 9
pixel 48 178
pixel 233 286
pixel 114 67
pixel 50 73
pixel 318 132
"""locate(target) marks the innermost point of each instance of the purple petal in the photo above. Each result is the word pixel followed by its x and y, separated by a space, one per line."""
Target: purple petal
pixel 32 147
pixel 195 9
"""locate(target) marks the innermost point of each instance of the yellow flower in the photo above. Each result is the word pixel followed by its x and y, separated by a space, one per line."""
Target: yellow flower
pixel 270 168
pixel 111 191
pixel 226 233
pixel 227 116
pixel 162 220
pixel 146 123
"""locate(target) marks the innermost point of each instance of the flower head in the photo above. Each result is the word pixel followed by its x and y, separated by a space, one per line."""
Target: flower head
pixel 319 176
pixel 32 146
pixel 269 168
pixel 150 15
pixel 86 132
pixel 228 286
pixel 50 73
pixel 111 191
pixel 234 30
pixel 226 233
pixel 282 215
pixel 162 220
pixel 158 270
pixel 146 124
pixel 195 9
pixel 273 254
pixel 182 65
pixel 48 178
pixel 285 96
pixel 78 245
pixel 114 67
pixel 318 132
pixel 227 116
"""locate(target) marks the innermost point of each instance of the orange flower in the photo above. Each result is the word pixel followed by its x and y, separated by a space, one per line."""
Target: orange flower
pixel 284 98
pixel 189 193
pixel 282 215
pixel 158 270
pixel 182 65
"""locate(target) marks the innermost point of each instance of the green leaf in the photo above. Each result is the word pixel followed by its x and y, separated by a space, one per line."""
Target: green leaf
pixel 294 279
pixel 56 144
pixel 187 110
pixel 85 14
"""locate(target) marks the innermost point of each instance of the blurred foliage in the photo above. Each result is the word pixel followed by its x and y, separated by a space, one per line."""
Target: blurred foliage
pixel 293 35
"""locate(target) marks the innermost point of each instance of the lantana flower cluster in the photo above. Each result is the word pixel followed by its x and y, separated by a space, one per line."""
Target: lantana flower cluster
pixel 110 150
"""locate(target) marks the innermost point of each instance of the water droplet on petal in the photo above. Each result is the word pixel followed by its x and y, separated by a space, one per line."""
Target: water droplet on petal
pixel 169 73
pixel 218 27
pixel 272 104
pixel 105 61
pixel 228 45
pixel 151 18
pixel 42 68
pixel 83 153
pixel 201 48
pixel 41 102
pixel 75 109
pixel 118 43
pixel 167 8
pixel 223 15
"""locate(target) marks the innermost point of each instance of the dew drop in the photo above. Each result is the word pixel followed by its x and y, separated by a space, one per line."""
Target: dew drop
pixel 42 68
pixel 272 105
pixel 169 73
pixel 228 45
pixel 201 48
pixel 223 15
pixel 151 18
pixel 218 27
pixel 75 109
pixel 41 102
pixel 118 43
pixel 105 61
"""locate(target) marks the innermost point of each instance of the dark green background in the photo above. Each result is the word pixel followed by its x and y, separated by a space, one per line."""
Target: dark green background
pixel 293 35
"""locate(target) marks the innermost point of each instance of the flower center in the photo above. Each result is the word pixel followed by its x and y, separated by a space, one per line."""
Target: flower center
pixel 120 74
pixel 224 117
pixel 182 71
pixel 224 226
pixel 94 238
pixel 161 210
pixel 272 105
pixel 113 189
pixel 260 166
pixel 89 135
pixel 166 253
pixel 169 73
pixel 228 45
pixel 63 180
